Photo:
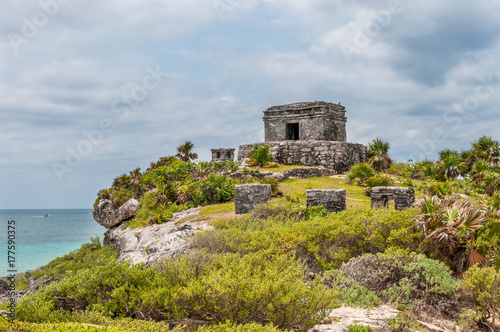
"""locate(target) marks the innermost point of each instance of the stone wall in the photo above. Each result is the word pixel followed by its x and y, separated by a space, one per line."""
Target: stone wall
pixel 337 156
pixel 313 121
pixel 246 196
pixel 403 198
pixel 334 200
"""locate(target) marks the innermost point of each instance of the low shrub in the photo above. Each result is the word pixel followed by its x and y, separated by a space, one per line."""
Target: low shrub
pixel 351 293
pixel 359 173
pixel 89 255
pixel 261 154
pixel 379 180
pixel 232 327
pixel 261 287
pixel 274 186
pixel 315 211
pixel 359 328
pixel 405 280
pixel 478 283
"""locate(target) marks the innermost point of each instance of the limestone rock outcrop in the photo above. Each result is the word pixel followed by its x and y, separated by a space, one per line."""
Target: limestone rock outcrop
pixel 151 243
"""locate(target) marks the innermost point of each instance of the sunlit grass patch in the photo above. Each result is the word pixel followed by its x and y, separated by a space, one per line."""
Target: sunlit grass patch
pixel 296 188
pixel 217 208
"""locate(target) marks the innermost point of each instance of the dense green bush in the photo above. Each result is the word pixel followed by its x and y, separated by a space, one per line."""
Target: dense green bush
pixel 89 321
pixel 170 186
pixel 88 256
pixel 261 154
pixel 404 280
pixel 359 173
pixel 262 287
pixel 478 282
pixel 258 287
pixel 379 180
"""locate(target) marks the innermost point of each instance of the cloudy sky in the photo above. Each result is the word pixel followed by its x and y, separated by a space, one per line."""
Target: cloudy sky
pixel 93 89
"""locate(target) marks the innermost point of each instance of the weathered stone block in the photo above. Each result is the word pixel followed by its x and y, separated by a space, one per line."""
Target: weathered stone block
pixel 246 196
pixel 402 197
pixel 334 200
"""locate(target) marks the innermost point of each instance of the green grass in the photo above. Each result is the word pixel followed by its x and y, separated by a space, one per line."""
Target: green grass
pixel 297 189
pixel 217 208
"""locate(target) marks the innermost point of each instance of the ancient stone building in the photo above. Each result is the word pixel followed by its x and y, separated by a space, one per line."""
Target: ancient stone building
pixel 222 154
pixel 317 120
pixel 311 134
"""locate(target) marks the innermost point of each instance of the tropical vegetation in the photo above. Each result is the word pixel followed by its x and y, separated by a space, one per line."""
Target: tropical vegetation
pixel 285 266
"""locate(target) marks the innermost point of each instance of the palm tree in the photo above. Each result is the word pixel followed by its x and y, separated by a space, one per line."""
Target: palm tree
pixel 450 164
pixel 184 152
pixel 486 148
pixel 378 154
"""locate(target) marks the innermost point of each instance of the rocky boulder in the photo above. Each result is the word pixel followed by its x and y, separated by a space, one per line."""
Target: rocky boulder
pixel 128 210
pixel 109 216
pixel 105 214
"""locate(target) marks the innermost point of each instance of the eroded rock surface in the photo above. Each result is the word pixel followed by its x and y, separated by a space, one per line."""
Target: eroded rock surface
pixel 151 243
pixel 340 318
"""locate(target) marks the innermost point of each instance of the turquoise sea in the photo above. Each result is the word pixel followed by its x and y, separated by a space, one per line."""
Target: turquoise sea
pixel 40 239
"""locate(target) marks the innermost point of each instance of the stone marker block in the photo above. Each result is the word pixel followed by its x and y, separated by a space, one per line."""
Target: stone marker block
pixel 402 197
pixel 246 196
pixel 332 199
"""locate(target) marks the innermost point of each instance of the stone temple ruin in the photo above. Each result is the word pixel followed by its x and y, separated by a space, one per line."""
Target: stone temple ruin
pixel 222 154
pixel 310 134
